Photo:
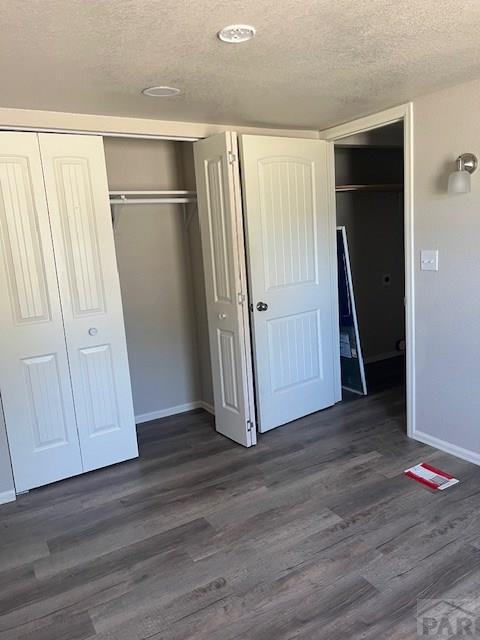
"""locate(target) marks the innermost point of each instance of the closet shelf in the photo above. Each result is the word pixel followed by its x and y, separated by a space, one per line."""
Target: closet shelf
pixel 369 187
pixel 152 197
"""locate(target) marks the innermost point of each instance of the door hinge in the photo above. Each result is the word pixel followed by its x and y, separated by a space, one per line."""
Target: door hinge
pixel 241 297
pixel 232 158
pixel 250 425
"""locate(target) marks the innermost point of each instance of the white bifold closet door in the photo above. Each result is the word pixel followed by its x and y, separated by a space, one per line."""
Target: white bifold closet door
pixel 292 273
pixel 291 258
pixel 34 374
pixel 221 225
pixel 78 202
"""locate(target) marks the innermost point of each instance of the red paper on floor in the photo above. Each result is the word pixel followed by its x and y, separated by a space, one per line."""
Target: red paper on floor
pixel 431 476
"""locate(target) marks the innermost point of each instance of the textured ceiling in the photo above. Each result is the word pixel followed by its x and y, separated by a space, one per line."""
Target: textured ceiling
pixel 314 63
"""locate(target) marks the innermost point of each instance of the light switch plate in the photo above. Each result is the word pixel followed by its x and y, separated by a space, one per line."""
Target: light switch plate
pixel 429 260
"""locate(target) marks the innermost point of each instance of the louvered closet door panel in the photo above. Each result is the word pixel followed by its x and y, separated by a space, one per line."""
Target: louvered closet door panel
pixel 34 376
pixel 77 195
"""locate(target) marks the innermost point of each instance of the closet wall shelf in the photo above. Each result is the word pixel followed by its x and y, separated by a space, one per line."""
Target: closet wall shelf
pixel 369 187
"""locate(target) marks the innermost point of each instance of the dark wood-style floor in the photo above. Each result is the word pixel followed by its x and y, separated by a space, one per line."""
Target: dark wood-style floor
pixel 315 533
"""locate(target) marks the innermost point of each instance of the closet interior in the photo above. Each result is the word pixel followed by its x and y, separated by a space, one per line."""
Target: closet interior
pixel 370 206
pixel 159 258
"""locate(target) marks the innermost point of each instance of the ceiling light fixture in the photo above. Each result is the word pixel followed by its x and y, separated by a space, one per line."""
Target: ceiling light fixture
pixel 161 92
pixel 236 33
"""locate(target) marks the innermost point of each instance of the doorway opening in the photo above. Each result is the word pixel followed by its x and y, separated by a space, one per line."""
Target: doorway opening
pixel 369 186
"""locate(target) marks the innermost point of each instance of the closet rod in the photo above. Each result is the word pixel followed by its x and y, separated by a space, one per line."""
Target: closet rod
pixel 116 201
pixel 154 192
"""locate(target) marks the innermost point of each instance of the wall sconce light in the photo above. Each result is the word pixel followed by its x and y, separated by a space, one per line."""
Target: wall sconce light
pixel 459 180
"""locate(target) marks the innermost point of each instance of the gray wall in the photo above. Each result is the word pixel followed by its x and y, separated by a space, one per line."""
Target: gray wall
pixel 374 223
pixel 447 302
pixel 159 263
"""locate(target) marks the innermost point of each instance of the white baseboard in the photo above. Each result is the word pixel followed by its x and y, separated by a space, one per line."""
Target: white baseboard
pixel 448 447
pixel 208 407
pixel 359 393
pixel 7 496
pixel 384 356
pixel 173 411
pixel 170 411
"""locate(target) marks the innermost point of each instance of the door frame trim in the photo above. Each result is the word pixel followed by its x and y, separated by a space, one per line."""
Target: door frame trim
pixel 402 113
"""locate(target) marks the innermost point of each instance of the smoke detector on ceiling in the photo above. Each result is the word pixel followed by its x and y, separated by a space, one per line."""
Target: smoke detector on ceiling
pixel 161 92
pixel 236 33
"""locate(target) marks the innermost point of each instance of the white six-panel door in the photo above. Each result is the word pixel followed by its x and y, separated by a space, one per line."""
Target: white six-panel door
pixel 291 257
pixel 78 201
pixel 34 375
pixel 221 224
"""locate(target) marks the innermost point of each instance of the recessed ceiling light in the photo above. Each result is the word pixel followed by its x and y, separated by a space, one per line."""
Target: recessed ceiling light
pixel 236 33
pixel 161 92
